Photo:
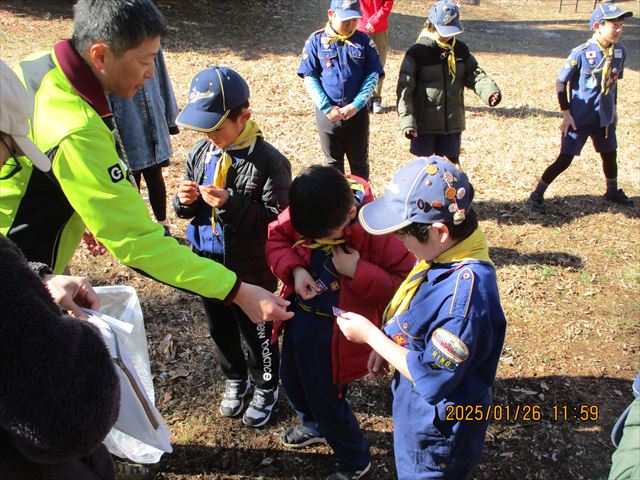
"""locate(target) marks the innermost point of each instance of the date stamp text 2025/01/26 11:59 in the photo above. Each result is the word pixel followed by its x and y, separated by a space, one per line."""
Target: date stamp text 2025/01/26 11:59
pixel 522 413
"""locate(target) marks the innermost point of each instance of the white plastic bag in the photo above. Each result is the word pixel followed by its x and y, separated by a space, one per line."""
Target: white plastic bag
pixel 136 417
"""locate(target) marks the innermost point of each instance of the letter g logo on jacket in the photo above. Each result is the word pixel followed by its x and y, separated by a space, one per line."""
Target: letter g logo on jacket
pixel 116 173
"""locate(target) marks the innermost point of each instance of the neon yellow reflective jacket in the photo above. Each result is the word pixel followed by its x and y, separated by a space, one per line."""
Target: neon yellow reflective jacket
pixel 45 214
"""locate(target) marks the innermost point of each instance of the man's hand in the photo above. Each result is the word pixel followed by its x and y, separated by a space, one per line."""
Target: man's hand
pixel 91 245
pixel 370 28
pixel 188 192
pixel 348 111
pixel 72 293
pixel 261 305
pixel 567 121
pixel 304 284
pixel 495 98
pixel 377 365
pixel 334 114
pixel 345 259
pixel 410 133
pixel 214 196
pixel 355 327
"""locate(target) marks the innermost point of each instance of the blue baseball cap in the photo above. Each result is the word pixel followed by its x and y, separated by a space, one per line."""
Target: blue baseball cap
pixel 346 9
pixel 213 93
pixel 607 11
pixel 426 190
pixel 445 17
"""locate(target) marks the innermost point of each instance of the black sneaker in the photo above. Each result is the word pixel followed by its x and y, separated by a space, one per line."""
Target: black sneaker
pixel 350 474
pixel 536 203
pixel 259 410
pixel 235 395
pixel 619 197
pixel 296 437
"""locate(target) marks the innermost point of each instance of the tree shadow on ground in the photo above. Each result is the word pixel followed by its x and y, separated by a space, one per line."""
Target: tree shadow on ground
pixel 560 210
pixel 503 257
pixel 542 427
pixel 512 112
pixel 253 29
pixel 540 38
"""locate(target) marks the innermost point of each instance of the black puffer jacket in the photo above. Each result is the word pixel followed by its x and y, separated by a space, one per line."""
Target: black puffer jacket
pixel 59 392
pixel 258 188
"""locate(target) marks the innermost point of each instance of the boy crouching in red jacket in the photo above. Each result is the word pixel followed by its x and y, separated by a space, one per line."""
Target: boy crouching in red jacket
pixel 325 259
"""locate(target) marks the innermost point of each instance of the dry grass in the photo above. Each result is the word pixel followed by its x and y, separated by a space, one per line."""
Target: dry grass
pixel 570 280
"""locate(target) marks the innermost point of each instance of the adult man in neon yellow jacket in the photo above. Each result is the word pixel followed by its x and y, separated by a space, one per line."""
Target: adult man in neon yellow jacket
pixel 112 51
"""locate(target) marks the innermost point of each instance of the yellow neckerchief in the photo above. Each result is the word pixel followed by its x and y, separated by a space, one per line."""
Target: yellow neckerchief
pixel 246 139
pixel 336 37
pixel 325 245
pixel 606 68
pixel 451 57
pixel 474 247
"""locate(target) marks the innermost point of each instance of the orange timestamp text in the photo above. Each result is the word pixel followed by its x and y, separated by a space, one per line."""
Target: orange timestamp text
pixel 522 413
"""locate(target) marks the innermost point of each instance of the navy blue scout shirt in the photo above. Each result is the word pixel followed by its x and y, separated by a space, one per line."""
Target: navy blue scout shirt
pixel 583 69
pixel 200 230
pixel 454 328
pixel 327 280
pixel 340 66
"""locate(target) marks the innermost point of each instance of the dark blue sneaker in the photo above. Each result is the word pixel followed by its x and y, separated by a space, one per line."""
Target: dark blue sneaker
pixel 350 474
pixel 297 437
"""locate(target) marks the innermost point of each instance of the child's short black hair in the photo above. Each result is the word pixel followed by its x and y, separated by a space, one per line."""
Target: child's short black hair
pixel 235 112
pixel 319 201
pixel 457 232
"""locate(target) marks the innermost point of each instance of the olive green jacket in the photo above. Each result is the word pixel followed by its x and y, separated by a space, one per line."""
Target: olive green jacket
pixel 428 102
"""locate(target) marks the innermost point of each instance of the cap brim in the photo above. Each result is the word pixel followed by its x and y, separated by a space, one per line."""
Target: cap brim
pixel 620 15
pixel 193 118
pixel 345 15
pixel 33 153
pixel 449 30
pixel 376 219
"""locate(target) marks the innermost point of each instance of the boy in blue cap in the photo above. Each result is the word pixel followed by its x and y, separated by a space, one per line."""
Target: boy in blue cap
pixel 444 326
pixel 592 70
pixel 235 184
pixel 433 76
pixel 341 68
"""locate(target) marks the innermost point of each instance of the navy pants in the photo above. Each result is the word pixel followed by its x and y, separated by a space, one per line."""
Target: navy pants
pixel 305 371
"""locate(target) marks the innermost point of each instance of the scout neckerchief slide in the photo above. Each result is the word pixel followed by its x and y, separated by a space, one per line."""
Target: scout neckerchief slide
pixel 473 247
pixel 245 140
pixel 448 50
pixel 336 37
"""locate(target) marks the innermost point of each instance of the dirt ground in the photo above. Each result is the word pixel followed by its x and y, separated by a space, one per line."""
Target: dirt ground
pixel 569 280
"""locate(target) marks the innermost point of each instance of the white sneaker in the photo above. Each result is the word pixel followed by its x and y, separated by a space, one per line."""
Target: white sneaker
pixel 377 107
pixel 234 398
pixel 261 406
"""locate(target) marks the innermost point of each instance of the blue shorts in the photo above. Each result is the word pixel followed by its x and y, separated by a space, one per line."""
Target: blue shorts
pixel 574 141
pixel 446 145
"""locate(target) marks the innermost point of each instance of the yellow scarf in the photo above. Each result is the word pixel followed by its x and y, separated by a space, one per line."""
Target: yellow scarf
pixel 448 48
pixel 474 247
pixel 336 37
pixel 246 139
pixel 325 245
pixel 606 68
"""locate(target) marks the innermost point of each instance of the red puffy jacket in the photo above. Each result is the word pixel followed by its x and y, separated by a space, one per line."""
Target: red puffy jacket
pixel 383 265
pixel 375 12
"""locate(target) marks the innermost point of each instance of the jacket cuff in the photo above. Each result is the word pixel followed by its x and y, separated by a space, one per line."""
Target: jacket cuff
pixel 40 269
pixel 228 300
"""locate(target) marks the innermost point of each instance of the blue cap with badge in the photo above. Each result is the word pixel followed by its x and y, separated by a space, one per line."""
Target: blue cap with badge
pixel 445 17
pixel 214 92
pixel 346 9
pixel 426 190
pixel 607 11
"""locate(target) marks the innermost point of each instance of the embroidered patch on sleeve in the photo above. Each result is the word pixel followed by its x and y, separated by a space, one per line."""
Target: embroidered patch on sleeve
pixel 399 339
pixel 448 351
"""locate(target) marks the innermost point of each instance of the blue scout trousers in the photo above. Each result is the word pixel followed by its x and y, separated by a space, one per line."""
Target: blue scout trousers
pixel 305 371
pixel 426 445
